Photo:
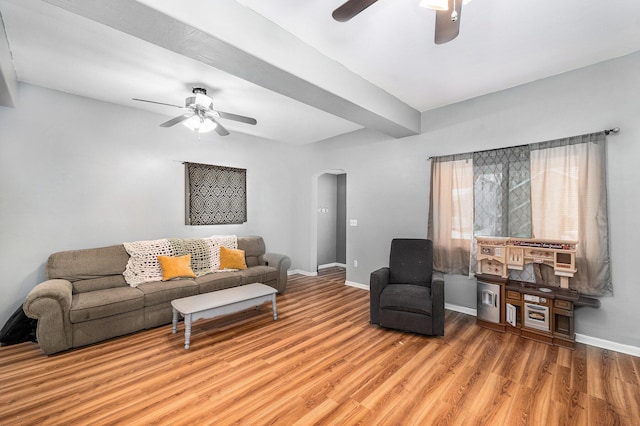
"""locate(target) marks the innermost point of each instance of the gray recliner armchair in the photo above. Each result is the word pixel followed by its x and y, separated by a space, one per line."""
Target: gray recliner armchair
pixel 408 295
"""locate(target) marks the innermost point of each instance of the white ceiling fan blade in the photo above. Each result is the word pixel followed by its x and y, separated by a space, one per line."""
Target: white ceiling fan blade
pixel 219 127
pixel 176 120
pixel 154 102
pixel 236 117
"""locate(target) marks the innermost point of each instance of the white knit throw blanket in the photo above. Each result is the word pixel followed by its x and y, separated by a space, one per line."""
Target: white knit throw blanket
pixel 143 265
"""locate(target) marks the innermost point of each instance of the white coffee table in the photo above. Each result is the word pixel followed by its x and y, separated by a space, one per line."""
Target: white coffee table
pixel 221 302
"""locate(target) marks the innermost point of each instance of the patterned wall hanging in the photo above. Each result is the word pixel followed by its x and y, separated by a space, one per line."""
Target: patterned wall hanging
pixel 215 194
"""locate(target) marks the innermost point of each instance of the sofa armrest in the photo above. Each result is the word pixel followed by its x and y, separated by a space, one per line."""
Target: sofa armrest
pixel 377 281
pixel 50 302
pixel 437 297
pixel 282 263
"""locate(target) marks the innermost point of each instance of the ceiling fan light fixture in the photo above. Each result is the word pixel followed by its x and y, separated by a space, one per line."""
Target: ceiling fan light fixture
pixel 203 100
pixel 200 125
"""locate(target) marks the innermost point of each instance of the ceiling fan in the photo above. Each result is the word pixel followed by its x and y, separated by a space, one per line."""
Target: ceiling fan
pixel 448 13
pixel 200 115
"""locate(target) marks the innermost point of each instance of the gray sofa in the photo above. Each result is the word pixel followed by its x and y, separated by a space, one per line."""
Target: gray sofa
pixel 86 298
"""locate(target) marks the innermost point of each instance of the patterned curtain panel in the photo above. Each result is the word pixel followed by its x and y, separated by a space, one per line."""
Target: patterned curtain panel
pixel 215 194
pixel 502 198
pixel 502 192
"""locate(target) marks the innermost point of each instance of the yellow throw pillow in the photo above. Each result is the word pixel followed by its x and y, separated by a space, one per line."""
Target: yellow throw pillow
pixel 232 259
pixel 176 267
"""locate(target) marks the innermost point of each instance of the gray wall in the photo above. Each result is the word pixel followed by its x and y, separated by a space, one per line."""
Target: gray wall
pixel 388 179
pixel 79 173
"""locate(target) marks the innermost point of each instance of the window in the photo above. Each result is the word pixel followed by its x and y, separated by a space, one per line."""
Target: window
pixel 215 194
pixel 550 190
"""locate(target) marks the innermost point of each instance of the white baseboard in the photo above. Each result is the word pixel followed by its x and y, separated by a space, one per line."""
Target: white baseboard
pixel 332 265
pixel 301 272
pixel 461 309
pixel 357 285
pixel 607 344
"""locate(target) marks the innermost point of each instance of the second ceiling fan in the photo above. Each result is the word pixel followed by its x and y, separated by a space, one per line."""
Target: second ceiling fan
pixel 448 13
pixel 199 114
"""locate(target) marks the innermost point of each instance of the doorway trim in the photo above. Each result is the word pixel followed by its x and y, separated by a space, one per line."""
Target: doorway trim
pixel 314 212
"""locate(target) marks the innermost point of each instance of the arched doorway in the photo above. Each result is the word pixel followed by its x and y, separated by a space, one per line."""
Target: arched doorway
pixel 331 219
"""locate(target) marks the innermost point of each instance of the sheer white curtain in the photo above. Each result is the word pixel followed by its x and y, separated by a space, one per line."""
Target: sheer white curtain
pixel 569 201
pixel 451 213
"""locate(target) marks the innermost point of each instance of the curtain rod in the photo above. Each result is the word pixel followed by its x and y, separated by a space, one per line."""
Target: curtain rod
pixel 613 130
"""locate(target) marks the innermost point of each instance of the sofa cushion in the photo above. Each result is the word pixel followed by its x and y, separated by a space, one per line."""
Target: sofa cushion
pixel 86 264
pixel 104 303
pixel 258 274
pixel 166 291
pixel 270 273
pixel 251 275
pixel 218 281
pixel 102 283
pixel 406 297
pixel 254 249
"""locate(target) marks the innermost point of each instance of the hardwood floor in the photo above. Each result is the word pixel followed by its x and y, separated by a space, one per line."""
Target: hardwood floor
pixel 319 363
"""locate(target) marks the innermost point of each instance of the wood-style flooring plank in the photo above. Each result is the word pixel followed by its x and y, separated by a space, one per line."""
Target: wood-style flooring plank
pixel 320 363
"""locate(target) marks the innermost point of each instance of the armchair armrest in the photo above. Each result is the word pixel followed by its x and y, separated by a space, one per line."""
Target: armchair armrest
pixel 50 302
pixel 437 297
pixel 377 281
pixel 282 263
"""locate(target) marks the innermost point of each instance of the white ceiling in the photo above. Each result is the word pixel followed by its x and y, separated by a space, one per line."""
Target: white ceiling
pixel 302 75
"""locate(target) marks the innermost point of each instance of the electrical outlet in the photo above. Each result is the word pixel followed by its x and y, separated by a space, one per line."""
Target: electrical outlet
pixel 355 263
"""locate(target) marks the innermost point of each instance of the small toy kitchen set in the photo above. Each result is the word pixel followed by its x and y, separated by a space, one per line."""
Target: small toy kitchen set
pixel 536 311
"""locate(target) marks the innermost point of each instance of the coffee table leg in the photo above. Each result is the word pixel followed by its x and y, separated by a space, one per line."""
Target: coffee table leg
pixel 175 321
pixel 273 305
pixel 187 330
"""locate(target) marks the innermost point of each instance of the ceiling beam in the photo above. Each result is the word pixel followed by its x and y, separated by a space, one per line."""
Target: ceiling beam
pixel 8 76
pixel 335 90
